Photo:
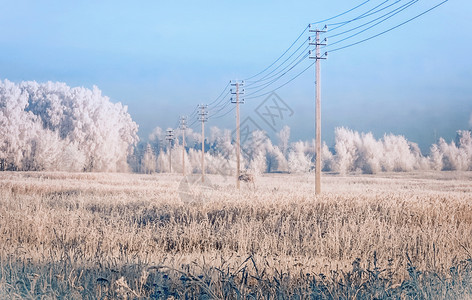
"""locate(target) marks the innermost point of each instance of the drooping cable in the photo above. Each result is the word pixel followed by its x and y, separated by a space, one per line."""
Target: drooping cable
pixel 390 29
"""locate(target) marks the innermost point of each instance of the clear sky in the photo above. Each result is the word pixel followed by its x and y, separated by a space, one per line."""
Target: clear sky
pixel 163 58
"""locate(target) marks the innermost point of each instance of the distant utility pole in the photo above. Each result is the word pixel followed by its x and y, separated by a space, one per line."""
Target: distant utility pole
pixel 237 92
pixel 317 58
pixel 183 126
pixel 170 138
pixel 203 117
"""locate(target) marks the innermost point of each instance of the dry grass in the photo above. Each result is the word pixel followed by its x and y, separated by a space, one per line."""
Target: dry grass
pixel 110 236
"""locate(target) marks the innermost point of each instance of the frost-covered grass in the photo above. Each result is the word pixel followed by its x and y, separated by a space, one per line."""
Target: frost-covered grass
pixel 93 235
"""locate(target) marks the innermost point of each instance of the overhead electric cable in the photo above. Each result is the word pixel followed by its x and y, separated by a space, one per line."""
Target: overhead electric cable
pixel 220 94
pixel 267 93
pixel 342 14
pixel 267 77
pixel 301 34
pixel 388 30
pixel 363 15
pixel 385 18
pixel 224 114
pixel 265 85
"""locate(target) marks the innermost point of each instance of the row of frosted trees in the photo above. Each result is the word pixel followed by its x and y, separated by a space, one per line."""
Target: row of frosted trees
pixel 352 152
pixel 54 127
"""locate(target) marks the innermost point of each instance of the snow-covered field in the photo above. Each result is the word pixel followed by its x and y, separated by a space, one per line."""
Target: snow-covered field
pixel 91 235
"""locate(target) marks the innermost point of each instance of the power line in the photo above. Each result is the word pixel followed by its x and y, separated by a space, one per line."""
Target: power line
pixel 385 18
pixel 266 85
pixel 267 77
pixel 297 60
pixel 388 30
pixel 176 124
pixel 279 56
pixel 221 101
pixel 194 116
pixel 219 95
pixel 341 14
pixel 193 113
pixel 296 76
pixel 301 34
pixel 224 114
pixel 221 108
pixel 193 123
pixel 363 15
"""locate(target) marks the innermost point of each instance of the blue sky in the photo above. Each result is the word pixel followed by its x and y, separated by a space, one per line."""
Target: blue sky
pixel 163 58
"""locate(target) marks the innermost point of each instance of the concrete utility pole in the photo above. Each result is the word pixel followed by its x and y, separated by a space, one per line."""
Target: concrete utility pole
pixel 203 117
pixel 170 138
pixel 237 92
pixel 183 126
pixel 317 58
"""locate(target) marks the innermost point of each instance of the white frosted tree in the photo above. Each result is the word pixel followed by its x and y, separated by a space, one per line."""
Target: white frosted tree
pixel 397 156
pixel 284 137
pixel 327 158
pixel 255 149
pixel 435 158
pixel 346 142
pixel 298 160
pixel 456 155
pixel 464 140
pixel 163 162
pixel 276 160
pixel 16 127
pixel 370 152
pixel 101 133
pixel 195 160
pixel 149 161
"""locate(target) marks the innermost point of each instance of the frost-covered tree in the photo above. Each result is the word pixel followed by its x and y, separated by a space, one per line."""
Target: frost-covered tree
pixel 327 159
pixel 298 160
pixel 454 156
pixel 346 142
pixel 398 155
pixel 275 159
pixel 284 137
pixel 149 161
pixel 163 162
pixel 74 121
pixel 435 158
pixel 255 150
pixel 16 126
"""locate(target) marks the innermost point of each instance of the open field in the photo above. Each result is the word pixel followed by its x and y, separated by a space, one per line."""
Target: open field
pixel 93 235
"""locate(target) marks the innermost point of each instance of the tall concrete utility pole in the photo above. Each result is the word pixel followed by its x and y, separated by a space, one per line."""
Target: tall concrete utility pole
pixel 317 59
pixel 203 117
pixel 170 138
pixel 183 126
pixel 238 91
